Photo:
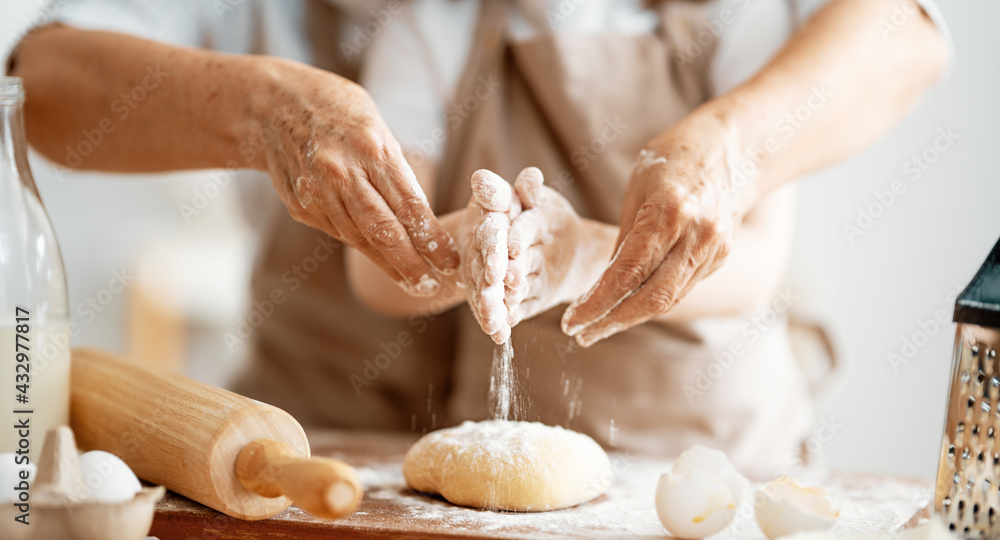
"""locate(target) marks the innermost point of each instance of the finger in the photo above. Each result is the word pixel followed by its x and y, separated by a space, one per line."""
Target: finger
pixel 517 269
pixel 530 282
pixel 528 186
pixel 380 228
pixel 398 186
pixel 502 335
pixel 491 191
pixel 655 297
pixel 638 257
pixel 492 310
pixel 354 239
pixel 486 266
pixel 526 229
pixel 491 237
pixel 474 270
pixel 523 311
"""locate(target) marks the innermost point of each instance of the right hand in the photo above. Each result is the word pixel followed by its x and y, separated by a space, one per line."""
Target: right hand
pixel 338 169
pixel 546 247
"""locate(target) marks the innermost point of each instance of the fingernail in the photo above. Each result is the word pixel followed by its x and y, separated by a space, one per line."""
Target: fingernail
pixel 568 327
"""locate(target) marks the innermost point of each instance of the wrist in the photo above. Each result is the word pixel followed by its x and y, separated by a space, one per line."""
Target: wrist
pixel 734 157
pixel 264 105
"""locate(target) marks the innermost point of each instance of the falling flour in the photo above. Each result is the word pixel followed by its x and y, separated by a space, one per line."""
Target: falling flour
pixel 504 399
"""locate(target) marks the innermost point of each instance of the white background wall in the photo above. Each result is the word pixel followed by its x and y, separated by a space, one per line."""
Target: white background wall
pixel 873 292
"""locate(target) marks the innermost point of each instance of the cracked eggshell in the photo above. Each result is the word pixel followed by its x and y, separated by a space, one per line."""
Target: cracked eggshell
pixel 787 507
pixel 699 496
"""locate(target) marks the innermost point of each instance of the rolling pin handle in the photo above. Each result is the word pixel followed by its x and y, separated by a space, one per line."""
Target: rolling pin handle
pixel 326 488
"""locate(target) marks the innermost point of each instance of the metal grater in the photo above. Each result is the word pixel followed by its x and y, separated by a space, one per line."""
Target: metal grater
pixel 967 496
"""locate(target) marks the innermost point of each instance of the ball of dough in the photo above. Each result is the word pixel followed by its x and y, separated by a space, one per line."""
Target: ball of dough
pixel 505 465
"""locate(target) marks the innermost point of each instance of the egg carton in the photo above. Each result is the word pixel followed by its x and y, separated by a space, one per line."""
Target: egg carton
pixel 61 506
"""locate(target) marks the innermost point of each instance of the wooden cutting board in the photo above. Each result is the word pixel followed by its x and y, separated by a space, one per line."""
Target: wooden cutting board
pixel 391 510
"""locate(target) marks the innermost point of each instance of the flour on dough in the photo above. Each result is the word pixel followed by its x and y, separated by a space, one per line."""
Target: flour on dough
pixel 506 465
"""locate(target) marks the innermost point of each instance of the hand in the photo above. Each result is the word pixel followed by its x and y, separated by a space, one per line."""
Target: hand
pixel 487 222
pixel 546 246
pixel 338 169
pixel 681 209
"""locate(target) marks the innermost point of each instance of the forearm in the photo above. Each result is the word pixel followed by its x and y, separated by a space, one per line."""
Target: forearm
pixel 833 89
pixel 376 290
pixel 101 100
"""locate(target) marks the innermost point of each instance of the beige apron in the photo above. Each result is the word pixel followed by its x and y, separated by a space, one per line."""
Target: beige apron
pixel 578 107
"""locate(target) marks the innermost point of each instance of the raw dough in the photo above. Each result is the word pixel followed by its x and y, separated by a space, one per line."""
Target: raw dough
pixel 505 465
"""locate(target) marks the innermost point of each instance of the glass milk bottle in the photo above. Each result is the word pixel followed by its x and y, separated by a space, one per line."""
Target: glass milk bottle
pixel 34 313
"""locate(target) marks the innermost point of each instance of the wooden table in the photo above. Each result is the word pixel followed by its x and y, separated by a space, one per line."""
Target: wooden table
pixel 391 510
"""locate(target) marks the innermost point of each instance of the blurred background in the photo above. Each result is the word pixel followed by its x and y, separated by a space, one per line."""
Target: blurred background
pixel 174 252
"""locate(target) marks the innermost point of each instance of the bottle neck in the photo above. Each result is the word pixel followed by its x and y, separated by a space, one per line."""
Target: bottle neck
pixel 14 146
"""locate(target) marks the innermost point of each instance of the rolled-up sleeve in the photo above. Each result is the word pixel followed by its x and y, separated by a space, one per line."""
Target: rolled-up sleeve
pixel 178 22
pixel 762 27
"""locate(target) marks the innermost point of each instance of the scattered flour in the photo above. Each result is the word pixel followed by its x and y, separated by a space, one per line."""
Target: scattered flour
pixel 626 509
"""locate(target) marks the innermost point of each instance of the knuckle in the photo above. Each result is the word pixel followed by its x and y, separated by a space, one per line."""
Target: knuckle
pixel 708 229
pixel 352 237
pixel 412 210
pixel 652 216
pixel 385 233
pixel 630 275
pixel 658 301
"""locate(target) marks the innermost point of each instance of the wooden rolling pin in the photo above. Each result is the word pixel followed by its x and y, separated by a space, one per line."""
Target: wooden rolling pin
pixel 239 456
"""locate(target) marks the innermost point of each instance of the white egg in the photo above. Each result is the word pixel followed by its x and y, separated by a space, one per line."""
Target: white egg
pixel 699 496
pixel 10 475
pixel 107 477
pixel 786 507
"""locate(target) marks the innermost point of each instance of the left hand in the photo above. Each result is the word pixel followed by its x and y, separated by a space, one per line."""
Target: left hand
pixel 681 209
pixel 488 216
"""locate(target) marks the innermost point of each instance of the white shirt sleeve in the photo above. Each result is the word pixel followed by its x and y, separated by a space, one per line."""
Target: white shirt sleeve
pixel 240 27
pixel 761 27
pixel 178 22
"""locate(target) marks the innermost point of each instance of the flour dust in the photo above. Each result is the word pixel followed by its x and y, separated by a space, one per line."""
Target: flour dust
pixel 505 401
